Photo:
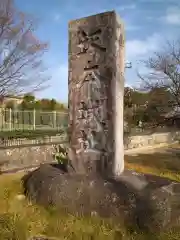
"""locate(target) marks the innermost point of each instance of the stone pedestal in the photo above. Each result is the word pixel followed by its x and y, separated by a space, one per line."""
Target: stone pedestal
pixel 96 89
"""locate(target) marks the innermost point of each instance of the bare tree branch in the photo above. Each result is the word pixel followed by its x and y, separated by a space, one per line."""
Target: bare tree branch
pixel 164 70
pixel 21 66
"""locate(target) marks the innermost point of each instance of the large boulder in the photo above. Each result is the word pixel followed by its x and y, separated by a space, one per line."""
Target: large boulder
pixel 145 201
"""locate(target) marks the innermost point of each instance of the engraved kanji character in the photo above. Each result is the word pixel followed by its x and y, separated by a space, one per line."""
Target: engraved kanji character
pixel 87 39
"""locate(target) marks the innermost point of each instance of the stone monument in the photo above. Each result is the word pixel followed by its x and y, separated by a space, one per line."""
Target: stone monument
pixel 96 70
pixel 96 90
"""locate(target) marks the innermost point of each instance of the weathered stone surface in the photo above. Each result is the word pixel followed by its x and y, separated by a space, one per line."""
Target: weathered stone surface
pixel 16 158
pixel 96 86
pixel 13 159
pixel 146 201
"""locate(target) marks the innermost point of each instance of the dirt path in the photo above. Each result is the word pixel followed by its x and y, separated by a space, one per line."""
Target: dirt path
pixel 152 149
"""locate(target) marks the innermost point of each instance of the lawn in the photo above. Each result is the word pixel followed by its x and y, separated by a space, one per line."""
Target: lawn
pixel 22 127
pixel 20 219
pixel 31 134
pixel 164 163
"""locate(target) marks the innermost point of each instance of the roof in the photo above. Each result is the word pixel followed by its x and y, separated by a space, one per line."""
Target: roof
pixel 15 97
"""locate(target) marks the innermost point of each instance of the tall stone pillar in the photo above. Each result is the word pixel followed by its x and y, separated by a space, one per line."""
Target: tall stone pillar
pixel 96 89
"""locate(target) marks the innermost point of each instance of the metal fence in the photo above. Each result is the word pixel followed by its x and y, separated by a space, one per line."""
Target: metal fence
pixel 11 119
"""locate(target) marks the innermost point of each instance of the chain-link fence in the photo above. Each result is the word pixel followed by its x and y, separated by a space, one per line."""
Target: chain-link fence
pixel 11 119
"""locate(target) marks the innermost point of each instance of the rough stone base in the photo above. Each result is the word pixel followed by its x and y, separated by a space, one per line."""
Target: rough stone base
pixel 146 201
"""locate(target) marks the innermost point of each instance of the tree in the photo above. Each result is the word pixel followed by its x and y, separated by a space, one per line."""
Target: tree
pixel 128 97
pixel 133 97
pixel 10 104
pixel 28 102
pixel 21 66
pixel 139 98
pixel 29 98
pixel 53 104
pixel 134 106
pixel 47 104
pixel 148 106
pixel 164 71
pixel 61 107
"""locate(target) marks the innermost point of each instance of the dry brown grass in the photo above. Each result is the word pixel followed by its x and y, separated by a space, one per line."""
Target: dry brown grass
pixel 20 219
pixel 165 164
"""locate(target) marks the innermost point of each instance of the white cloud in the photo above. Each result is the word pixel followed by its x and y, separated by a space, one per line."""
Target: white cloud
pixel 150 18
pixel 129 26
pixel 128 85
pixel 173 16
pixel 132 27
pixel 128 19
pixel 137 48
pixel 126 7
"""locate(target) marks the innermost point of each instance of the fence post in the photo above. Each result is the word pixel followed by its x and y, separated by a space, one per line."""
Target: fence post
pixel 34 119
pixel 54 119
pixel 2 122
pixel 10 119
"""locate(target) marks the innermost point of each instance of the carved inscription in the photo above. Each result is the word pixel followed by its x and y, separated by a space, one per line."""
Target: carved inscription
pixel 95 92
pixel 93 125
pixel 89 39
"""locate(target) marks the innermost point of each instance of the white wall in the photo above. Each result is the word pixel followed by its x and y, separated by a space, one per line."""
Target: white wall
pixel 150 140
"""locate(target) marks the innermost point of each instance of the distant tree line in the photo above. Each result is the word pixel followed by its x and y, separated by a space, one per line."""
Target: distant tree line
pixel 150 107
pixel 29 102
pixel 159 91
pixel 48 112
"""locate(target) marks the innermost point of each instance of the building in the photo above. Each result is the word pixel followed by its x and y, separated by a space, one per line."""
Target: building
pixel 13 99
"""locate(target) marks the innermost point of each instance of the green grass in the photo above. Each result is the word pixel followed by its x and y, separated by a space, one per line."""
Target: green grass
pixel 20 219
pixel 22 127
pixel 30 134
pixel 164 164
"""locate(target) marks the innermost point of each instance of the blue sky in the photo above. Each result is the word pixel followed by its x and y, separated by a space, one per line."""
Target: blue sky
pixel 148 23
